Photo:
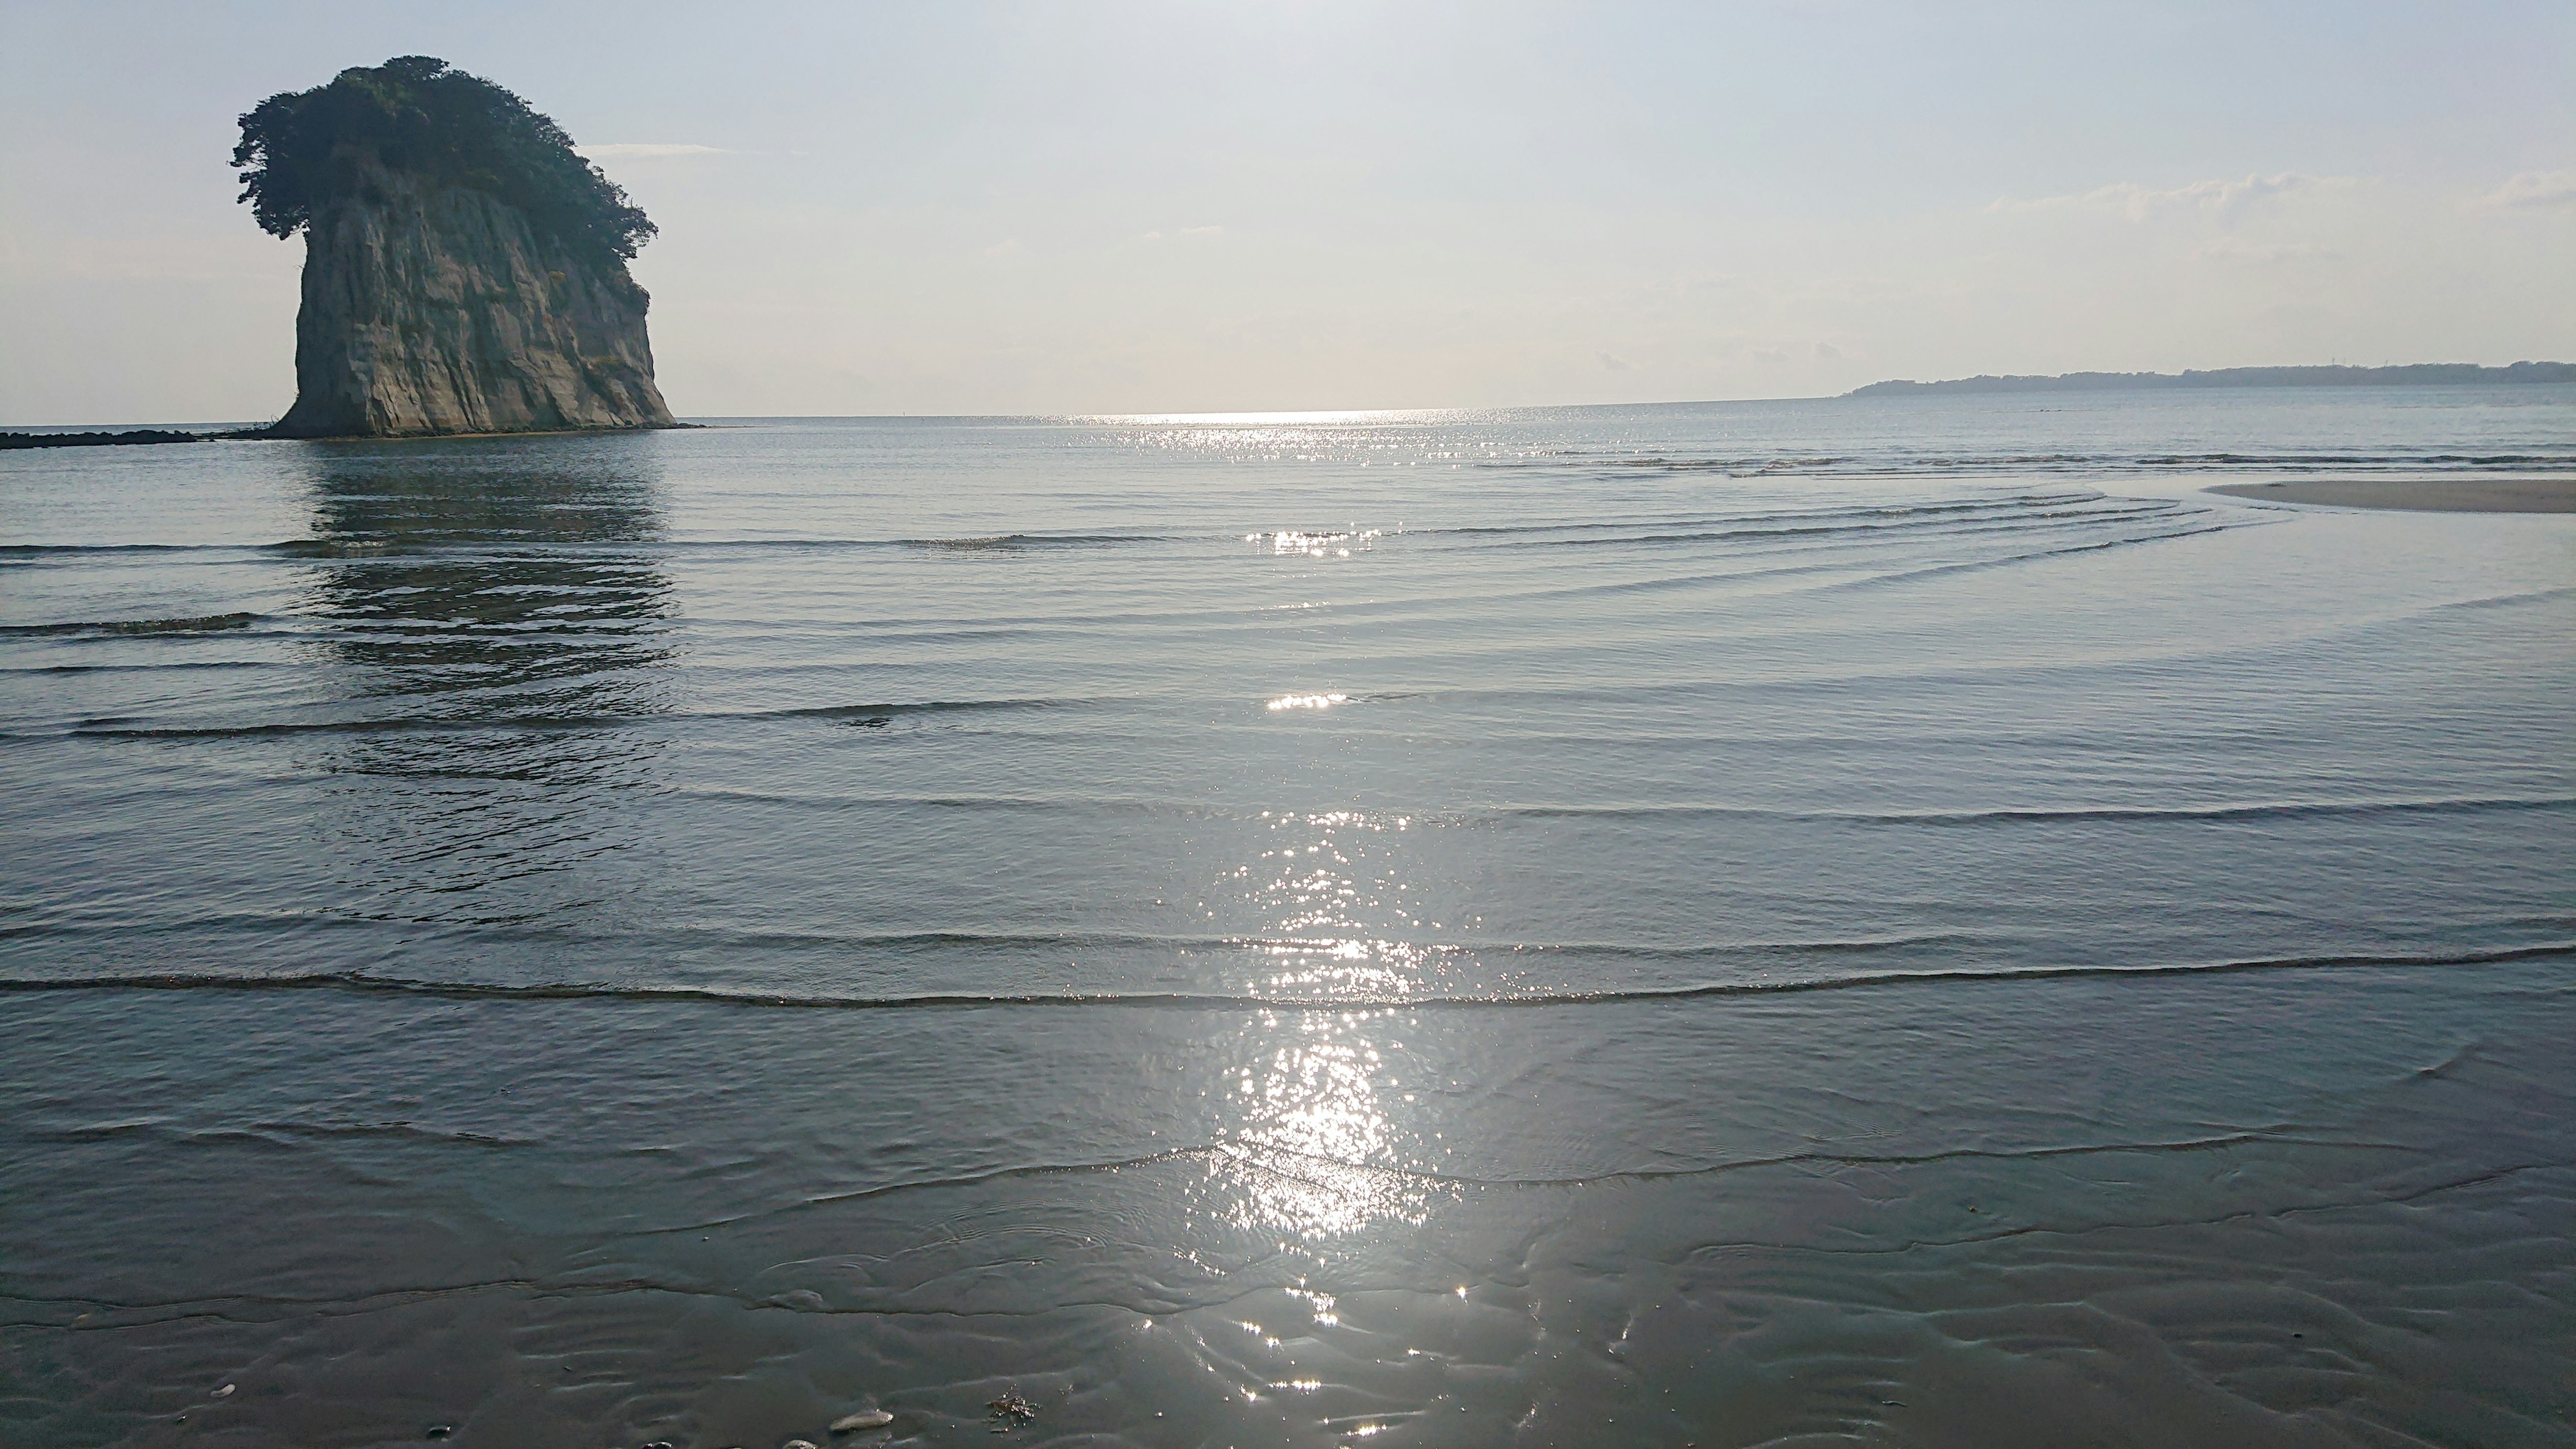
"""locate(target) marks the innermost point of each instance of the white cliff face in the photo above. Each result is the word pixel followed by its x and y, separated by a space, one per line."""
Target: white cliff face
pixel 442 311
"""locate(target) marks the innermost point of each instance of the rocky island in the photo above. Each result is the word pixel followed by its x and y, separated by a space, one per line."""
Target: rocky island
pixel 464 268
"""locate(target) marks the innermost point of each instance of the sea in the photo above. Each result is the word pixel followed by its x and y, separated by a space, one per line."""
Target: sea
pixel 1859 921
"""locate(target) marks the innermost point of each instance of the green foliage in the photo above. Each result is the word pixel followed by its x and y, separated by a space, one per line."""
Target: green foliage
pixel 302 150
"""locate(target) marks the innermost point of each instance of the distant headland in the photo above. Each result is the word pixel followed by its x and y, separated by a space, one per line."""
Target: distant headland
pixel 2414 374
pixel 464 269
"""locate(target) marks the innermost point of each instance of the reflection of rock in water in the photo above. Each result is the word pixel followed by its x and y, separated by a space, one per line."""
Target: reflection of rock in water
pixel 504 613
pixel 493 589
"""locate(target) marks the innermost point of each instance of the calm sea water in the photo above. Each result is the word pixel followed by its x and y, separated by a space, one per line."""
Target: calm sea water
pixel 1869 921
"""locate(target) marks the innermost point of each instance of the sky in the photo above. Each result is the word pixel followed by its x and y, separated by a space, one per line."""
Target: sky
pixel 1169 207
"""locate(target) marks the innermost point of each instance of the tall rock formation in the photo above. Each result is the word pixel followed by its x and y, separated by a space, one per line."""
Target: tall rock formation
pixel 464 270
pixel 442 311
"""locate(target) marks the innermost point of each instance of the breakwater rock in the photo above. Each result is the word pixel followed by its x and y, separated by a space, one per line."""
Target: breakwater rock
pixel 129 437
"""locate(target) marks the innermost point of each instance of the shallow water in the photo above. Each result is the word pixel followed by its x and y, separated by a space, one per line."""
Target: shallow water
pixel 1885 921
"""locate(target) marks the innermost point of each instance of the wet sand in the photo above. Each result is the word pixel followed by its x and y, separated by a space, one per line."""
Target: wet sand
pixel 2276 1209
pixel 2420 495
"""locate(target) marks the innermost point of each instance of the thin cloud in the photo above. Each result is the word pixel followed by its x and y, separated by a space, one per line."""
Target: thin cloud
pixel 2530 191
pixel 1614 364
pixel 628 150
pixel 2138 203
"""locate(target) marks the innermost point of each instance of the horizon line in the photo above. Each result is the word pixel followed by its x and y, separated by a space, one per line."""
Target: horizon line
pixel 1166 415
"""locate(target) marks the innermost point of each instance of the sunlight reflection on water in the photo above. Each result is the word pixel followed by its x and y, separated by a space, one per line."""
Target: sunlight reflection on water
pixel 1313 1115
pixel 1316 1150
pixel 1328 905
pixel 1318 545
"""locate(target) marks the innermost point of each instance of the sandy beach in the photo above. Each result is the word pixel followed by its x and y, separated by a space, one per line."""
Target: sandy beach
pixel 2421 495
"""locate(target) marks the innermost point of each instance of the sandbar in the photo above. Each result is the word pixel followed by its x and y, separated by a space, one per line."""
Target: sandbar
pixel 2421 495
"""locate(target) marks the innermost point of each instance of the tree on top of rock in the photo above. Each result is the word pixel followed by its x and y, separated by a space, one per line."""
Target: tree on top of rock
pixel 301 151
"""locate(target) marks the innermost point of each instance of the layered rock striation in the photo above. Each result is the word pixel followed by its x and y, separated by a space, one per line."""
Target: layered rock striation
pixel 440 309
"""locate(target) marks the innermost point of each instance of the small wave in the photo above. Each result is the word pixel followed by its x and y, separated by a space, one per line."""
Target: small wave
pixel 1841 571
pixel 2272 810
pixel 358 981
pixel 1097 805
pixel 1794 464
pixel 193 624
pixel 163 666
pixel 1020 542
pixel 361 548
pixel 889 711
pixel 264 1131
pixel 1983 503
pixel 329 548
pixel 33 551
pixel 1950 525
pixel 447 544
pixel 1278 1161
pixel 2008 560
pixel 1069 804
pixel 1274 1160
pixel 2507 601
pixel 131 728
pixel 1895 463
pixel 999 942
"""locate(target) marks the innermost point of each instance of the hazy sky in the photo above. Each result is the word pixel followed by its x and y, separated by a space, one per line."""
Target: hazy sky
pixel 1166 207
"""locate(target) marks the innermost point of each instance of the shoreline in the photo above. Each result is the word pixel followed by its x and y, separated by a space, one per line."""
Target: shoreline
pixel 2417 495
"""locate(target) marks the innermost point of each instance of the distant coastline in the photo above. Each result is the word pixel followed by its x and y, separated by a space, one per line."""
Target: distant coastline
pixel 2416 374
